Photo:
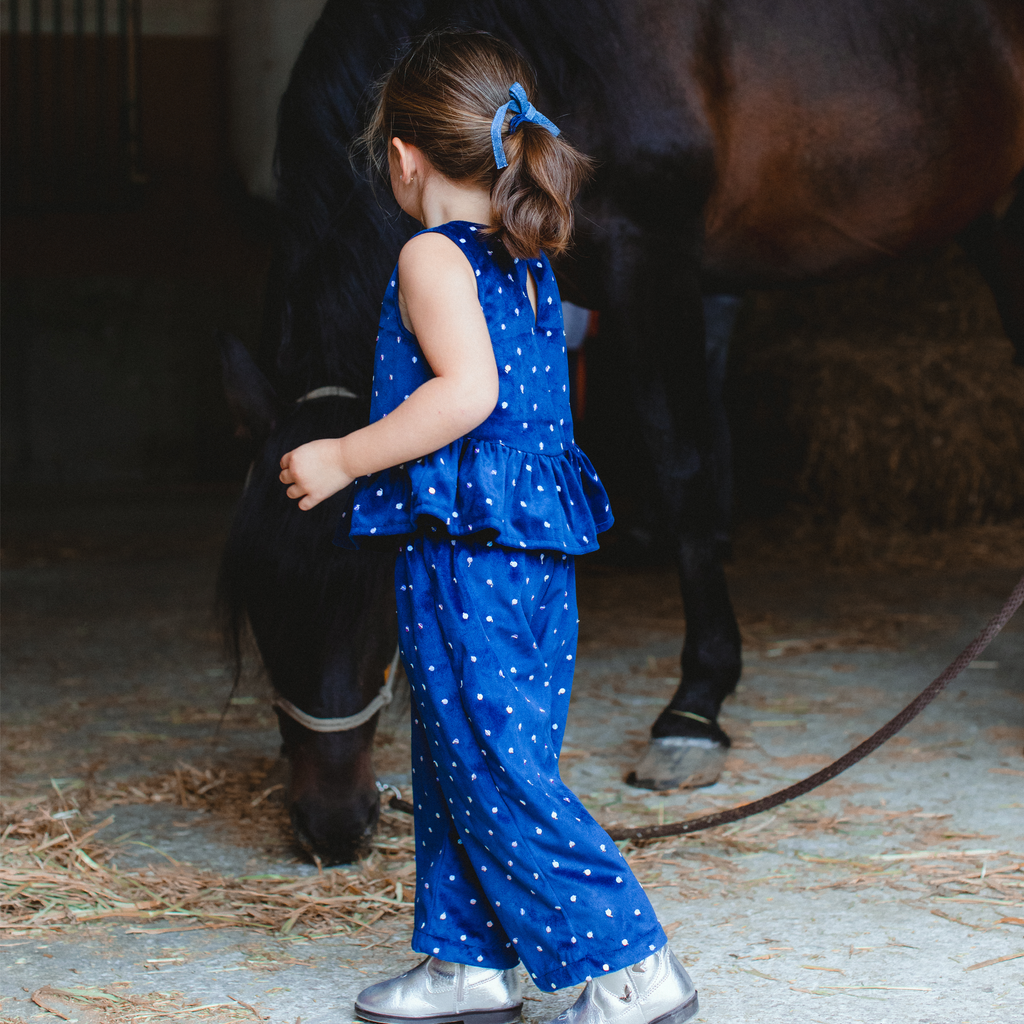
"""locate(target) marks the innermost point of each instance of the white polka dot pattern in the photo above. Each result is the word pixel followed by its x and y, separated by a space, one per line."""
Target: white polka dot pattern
pixel 509 863
pixel 519 478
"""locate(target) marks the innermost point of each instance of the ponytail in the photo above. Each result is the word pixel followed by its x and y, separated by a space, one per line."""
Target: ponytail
pixel 442 97
pixel 531 199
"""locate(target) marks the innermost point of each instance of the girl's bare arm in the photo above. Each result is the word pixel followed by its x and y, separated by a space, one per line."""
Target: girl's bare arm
pixel 439 293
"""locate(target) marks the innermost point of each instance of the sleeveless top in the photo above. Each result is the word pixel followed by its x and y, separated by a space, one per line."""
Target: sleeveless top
pixel 517 479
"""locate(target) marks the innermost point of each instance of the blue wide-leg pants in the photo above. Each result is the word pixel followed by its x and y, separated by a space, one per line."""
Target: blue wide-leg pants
pixel 509 864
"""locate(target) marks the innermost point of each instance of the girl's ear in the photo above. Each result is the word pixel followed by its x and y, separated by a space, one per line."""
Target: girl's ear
pixel 408 157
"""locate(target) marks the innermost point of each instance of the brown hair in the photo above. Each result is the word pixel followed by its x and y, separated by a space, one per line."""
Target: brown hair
pixel 442 96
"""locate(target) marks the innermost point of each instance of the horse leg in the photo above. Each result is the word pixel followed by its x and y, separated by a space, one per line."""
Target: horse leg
pixel 720 312
pixel 679 408
pixel 687 747
pixel 995 245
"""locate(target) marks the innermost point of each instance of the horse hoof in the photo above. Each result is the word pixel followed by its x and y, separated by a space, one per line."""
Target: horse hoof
pixel 679 762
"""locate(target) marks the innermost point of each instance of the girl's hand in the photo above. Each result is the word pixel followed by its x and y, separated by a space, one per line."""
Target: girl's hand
pixel 314 472
pixel 440 292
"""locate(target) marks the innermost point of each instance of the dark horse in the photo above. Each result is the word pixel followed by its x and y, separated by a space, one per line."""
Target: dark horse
pixel 739 144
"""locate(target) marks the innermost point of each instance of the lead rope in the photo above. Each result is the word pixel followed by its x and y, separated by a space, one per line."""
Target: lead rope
pixel 872 743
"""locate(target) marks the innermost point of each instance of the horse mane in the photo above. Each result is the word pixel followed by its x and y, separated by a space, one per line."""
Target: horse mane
pixel 338 238
pixel 339 233
pixel 281 571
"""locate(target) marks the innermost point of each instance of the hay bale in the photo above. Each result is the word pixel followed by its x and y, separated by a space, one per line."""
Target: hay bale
pixel 888 402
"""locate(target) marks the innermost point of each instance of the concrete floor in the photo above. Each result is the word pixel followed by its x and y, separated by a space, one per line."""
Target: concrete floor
pixel 820 911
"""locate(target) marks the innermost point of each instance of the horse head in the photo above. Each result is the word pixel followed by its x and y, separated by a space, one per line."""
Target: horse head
pixel 322 617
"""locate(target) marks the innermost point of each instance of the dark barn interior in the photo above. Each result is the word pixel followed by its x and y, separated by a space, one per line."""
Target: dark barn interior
pixel 878 429
pixel 130 239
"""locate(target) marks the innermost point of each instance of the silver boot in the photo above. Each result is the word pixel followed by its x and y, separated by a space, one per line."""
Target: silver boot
pixel 436 991
pixel 657 990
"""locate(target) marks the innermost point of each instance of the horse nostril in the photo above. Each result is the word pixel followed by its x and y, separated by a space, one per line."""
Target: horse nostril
pixel 338 831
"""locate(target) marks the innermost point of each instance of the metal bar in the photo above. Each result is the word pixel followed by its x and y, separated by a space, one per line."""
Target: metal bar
pixel 71 109
pixel 78 140
pixel 13 185
pixel 57 81
pixel 101 85
pixel 133 38
pixel 122 85
pixel 36 102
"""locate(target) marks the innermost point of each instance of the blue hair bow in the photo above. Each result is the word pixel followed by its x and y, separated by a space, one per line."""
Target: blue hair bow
pixel 524 110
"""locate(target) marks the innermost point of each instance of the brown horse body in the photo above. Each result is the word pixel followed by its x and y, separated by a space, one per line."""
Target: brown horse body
pixel 739 143
pixel 826 170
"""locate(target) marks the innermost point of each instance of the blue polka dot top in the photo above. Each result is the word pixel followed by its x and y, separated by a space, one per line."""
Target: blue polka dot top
pixel 518 479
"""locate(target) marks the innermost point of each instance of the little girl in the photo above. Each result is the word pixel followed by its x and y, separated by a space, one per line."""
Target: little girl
pixel 469 464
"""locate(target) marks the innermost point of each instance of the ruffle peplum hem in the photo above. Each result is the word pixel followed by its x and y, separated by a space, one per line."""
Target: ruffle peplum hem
pixel 516 498
pixel 518 479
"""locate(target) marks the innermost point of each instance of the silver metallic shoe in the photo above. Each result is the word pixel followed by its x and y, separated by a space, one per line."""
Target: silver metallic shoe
pixel 436 991
pixel 657 990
